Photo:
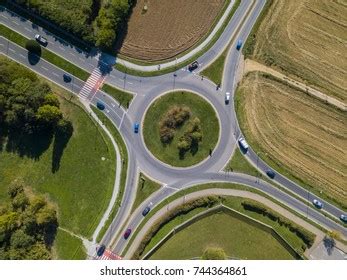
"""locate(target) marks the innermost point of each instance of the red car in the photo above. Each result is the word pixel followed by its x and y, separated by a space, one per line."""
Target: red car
pixel 127 233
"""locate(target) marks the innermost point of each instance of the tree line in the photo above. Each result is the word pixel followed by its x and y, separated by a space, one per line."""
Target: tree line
pixel 28 225
pixel 96 22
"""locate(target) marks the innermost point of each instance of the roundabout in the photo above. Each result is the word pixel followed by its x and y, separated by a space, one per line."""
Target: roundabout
pixel 180 118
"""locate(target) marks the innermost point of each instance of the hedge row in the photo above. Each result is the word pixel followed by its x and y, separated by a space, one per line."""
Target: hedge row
pixel 205 202
pixel 302 233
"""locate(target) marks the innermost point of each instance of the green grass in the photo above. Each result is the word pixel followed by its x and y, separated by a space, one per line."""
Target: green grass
pixel 238 163
pixel 123 97
pixel 124 156
pixel 237 238
pixel 68 247
pixel 214 71
pixel 145 188
pixel 169 153
pixel 134 72
pixel 81 188
pixel 46 54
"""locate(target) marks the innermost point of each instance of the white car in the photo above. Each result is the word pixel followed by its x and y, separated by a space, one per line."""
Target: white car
pixel 244 145
pixel 227 97
pixel 41 40
pixel 317 203
pixel 343 218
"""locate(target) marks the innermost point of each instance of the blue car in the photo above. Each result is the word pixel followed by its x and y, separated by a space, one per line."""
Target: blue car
pixel 136 128
pixel 239 45
pixel 100 105
pixel 67 78
pixel 146 211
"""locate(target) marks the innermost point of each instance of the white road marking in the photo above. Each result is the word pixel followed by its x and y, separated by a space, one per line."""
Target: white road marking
pixel 130 83
pixel 121 121
pixel 55 74
pixel 72 54
pixel 15 22
pixel 113 105
pixel 4 16
pixel 22 55
pixel 44 68
pixel 80 58
pixel 60 47
pixel 12 50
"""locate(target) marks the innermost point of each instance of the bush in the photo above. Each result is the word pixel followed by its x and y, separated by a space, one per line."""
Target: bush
pixel 33 47
pixel 214 254
pixel 205 202
pixel 259 208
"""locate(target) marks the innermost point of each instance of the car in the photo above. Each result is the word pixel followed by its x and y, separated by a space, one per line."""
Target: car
pixel 227 98
pixel 239 45
pixel 317 203
pixel 100 251
pixel 146 210
pixel 193 66
pixel 67 78
pixel 127 233
pixel 136 127
pixel 343 218
pixel 43 41
pixel 100 105
pixel 244 145
pixel 270 173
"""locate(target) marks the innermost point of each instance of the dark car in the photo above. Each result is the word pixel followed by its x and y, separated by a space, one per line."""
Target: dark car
pixel 146 210
pixel 270 173
pixel 100 105
pixel 136 127
pixel 67 78
pixel 101 250
pixel 127 233
pixel 193 66
pixel 43 41
pixel 239 45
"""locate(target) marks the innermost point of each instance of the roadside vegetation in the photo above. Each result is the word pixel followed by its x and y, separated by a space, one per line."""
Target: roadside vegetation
pixel 124 156
pixel 308 148
pixel 76 174
pixel 68 247
pixel 181 128
pixel 96 22
pixel 28 225
pixel 145 188
pixel 124 98
pixel 214 71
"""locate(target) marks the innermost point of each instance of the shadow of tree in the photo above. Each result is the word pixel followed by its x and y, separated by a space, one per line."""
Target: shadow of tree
pixel 33 58
pixel 30 144
pixel 61 139
pixel 329 244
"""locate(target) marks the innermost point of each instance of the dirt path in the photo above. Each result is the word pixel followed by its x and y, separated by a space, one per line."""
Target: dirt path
pixel 251 65
pixel 245 194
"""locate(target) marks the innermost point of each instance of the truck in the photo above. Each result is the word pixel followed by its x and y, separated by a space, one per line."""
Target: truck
pixel 243 144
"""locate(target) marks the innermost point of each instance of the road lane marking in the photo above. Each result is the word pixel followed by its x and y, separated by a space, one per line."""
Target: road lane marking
pixel 4 16
pixel 55 74
pixel 22 55
pixel 44 68
pixel 12 50
pixel 60 47
pixel 121 121
pixel 15 22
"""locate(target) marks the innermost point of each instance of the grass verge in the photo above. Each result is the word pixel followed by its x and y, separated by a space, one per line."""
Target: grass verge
pixel 68 247
pixel 145 188
pixel 124 156
pixel 124 98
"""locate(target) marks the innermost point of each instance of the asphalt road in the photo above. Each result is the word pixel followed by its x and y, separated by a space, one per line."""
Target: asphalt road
pixel 149 88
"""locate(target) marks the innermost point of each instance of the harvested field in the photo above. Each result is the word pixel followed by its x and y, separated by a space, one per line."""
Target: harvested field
pixel 307 39
pixel 168 28
pixel 302 137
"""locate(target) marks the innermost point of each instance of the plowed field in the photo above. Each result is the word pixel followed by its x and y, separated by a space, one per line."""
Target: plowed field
pixel 307 39
pixel 302 136
pixel 168 28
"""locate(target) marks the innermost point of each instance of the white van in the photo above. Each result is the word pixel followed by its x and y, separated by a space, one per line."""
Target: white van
pixel 227 98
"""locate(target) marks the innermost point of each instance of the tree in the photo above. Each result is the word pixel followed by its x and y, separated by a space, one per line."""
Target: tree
pixel 51 99
pixel 33 47
pixel 49 114
pixel 214 254
pixel 19 239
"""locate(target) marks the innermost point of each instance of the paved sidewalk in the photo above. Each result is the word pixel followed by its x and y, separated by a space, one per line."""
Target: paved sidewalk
pixel 231 192
pixel 251 65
